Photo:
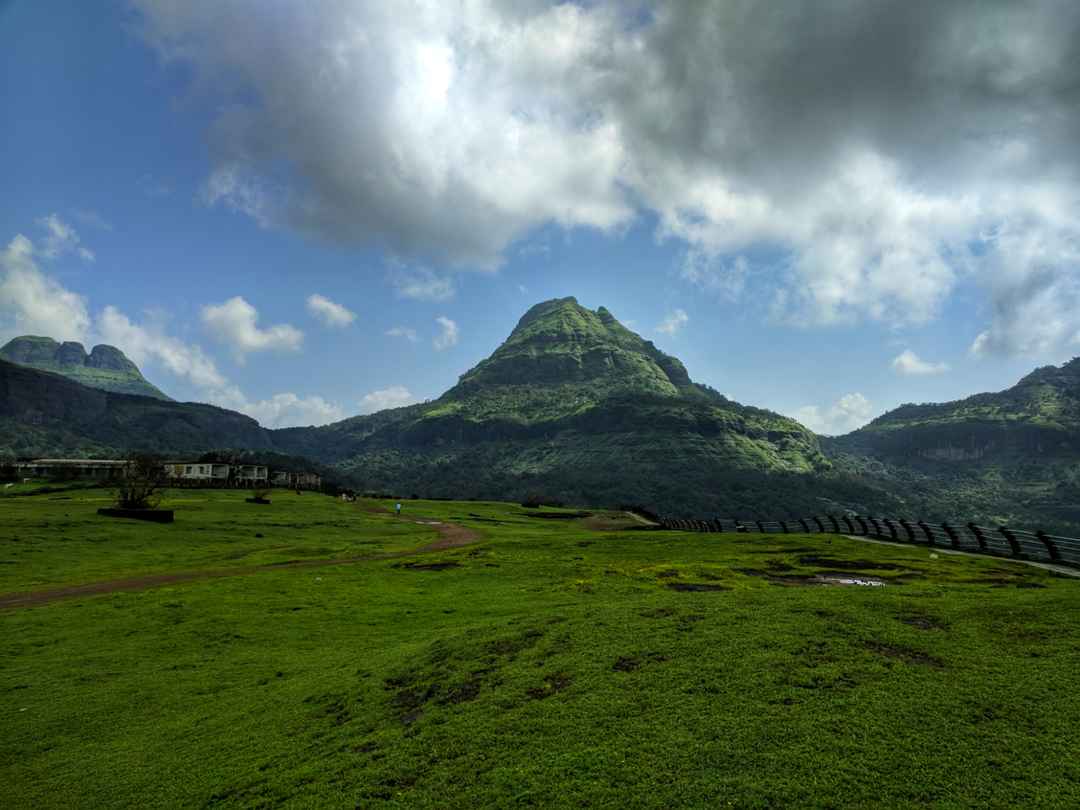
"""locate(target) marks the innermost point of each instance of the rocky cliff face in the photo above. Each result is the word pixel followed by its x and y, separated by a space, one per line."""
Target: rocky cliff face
pixel 105 368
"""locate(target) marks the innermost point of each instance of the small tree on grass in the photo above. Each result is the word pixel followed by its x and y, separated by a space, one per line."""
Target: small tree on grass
pixel 142 483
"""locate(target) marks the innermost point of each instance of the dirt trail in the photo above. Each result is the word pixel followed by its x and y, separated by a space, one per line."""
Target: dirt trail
pixel 451 535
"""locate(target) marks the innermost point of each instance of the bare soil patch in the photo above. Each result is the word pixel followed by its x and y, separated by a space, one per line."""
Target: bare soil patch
pixel 558 515
pixel 850 565
pixel 697 586
pixel 905 654
pixel 923 622
pixel 553 684
pixel 435 566
pixel 630 663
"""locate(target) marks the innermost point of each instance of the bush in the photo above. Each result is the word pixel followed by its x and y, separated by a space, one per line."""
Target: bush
pixel 142 484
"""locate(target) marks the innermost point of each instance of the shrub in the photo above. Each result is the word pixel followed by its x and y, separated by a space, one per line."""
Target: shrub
pixel 142 483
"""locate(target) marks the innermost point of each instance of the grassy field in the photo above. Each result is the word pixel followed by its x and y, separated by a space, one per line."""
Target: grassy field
pixel 546 663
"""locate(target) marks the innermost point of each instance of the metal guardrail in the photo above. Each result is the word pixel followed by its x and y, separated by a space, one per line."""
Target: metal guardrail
pixel 998 541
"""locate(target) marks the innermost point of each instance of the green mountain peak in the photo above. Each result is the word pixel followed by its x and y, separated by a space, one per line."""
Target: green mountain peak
pixel 559 343
pixel 106 367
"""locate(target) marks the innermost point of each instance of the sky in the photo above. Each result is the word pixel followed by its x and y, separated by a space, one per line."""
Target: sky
pixel 305 211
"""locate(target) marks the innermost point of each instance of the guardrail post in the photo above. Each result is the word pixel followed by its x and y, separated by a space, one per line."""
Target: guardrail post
pixel 876 525
pixel 892 528
pixel 862 524
pixel 820 525
pixel 835 524
pixel 954 538
pixel 907 528
pixel 929 534
pixel 783 525
pixel 760 528
pixel 980 538
pixel 1014 545
pixel 805 525
pixel 1051 548
pixel 850 525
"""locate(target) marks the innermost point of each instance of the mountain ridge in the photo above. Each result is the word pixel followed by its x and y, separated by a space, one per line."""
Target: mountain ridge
pixel 105 367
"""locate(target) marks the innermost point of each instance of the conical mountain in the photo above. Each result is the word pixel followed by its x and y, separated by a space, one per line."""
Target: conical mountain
pixel 573 406
pixel 560 342
pixel 105 368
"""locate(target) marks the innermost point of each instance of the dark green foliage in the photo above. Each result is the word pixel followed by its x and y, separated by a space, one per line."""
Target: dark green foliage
pixel 142 484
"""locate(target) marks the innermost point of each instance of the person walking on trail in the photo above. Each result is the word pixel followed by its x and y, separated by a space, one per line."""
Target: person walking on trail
pixel 397 508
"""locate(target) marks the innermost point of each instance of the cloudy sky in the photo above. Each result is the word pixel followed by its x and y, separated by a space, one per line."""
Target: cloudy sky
pixel 310 210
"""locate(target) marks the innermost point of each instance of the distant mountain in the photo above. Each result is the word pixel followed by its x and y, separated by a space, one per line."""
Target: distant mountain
pixel 1009 456
pixel 105 368
pixel 46 414
pixel 1039 416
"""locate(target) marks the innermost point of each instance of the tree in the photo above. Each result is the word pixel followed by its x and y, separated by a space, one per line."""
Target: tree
pixel 142 483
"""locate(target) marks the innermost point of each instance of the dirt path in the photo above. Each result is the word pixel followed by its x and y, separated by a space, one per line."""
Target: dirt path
pixel 451 535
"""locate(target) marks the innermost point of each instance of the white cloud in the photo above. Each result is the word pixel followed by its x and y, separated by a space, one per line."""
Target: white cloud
pixel 393 397
pixel 909 363
pixel 142 343
pixel 710 273
pixel 289 410
pixel 32 302
pixel 61 239
pixel 883 179
pixel 403 332
pixel 147 343
pixel 850 412
pixel 422 284
pixel 449 335
pixel 328 312
pixel 92 218
pixel 673 322
pixel 432 130
pixel 234 323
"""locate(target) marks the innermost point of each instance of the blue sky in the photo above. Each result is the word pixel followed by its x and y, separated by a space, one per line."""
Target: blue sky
pixel 813 250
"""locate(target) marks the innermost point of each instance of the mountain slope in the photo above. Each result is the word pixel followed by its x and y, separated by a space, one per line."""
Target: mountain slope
pixel 1008 456
pixel 1039 416
pixel 46 414
pixel 576 407
pixel 573 407
pixel 106 367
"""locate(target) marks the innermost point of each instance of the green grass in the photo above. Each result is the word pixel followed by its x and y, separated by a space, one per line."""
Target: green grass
pixel 553 666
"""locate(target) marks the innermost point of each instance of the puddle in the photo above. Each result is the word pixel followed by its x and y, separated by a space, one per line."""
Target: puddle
pixel 864 583
pixel 834 578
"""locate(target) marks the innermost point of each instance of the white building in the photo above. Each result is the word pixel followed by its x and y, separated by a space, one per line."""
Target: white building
pixel 93 468
pixel 251 474
pixel 202 471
